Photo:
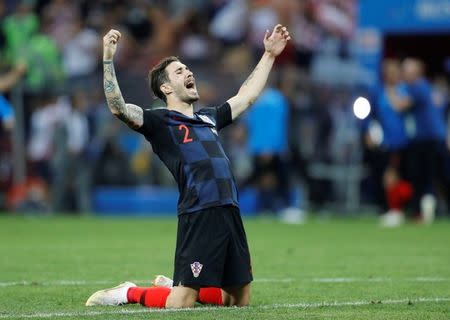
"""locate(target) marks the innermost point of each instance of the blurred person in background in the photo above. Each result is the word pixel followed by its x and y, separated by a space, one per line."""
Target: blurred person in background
pixel 392 98
pixel 441 99
pixel 71 179
pixel 46 119
pixel 426 127
pixel 7 121
pixel 268 146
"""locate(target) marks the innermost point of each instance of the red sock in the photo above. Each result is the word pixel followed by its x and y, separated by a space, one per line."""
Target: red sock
pixel 210 295
pixel 134 294
pixel 153 297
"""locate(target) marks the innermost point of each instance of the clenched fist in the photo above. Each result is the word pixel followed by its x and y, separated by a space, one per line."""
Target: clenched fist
pixel 110 44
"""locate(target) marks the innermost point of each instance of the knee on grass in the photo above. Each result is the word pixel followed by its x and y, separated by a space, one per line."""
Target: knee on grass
pixel 237 296
pixel 182 297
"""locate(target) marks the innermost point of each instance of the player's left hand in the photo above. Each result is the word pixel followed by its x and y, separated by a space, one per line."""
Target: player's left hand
pixel 276 42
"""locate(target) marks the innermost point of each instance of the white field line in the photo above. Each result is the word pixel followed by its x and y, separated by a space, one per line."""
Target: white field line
pixel 380 279
pixel 208 309
pixel 257 280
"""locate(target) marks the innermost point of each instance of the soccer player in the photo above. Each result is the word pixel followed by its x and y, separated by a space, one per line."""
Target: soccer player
pixel 211 249
pixel 392 97
pixel 428 133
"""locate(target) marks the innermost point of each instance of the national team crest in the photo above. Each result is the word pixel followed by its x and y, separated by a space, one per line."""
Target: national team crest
pixel 196 268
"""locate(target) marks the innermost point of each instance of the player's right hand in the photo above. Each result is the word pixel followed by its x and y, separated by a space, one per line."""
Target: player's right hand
pixel 110 44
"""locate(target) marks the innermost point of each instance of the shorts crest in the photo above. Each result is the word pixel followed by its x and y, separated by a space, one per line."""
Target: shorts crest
pixel 196 268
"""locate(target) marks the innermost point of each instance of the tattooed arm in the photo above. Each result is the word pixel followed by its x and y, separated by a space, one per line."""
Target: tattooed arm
pixel 274 44
pixel 131 114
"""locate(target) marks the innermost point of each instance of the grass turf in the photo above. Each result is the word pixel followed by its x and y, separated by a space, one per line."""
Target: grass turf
pixel 49 266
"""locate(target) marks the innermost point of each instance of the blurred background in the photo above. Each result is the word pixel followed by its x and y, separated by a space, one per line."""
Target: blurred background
pixel 355 118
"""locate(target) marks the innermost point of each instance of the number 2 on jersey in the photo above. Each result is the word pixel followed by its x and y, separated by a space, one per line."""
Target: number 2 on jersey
pixel 186 139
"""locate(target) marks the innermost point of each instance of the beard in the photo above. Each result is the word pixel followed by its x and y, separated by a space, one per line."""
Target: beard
pixel 189 96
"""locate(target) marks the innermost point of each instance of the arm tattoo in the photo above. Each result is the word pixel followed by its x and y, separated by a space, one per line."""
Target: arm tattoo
pixel 130 114
pixel 133 116
pixel 109 86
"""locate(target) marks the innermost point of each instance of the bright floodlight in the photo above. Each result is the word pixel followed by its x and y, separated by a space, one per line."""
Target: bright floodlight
pixel 361 108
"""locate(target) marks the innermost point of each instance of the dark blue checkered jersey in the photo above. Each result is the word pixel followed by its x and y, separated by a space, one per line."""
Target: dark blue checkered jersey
pixel 191 149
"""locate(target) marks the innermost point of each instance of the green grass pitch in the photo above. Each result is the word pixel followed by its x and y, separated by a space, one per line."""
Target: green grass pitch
pixel 332 269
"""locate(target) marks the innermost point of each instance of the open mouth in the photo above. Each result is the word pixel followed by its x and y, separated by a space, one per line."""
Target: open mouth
pixel 190 84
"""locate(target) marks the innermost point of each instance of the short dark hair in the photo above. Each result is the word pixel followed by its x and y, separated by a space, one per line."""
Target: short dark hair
pixel 158 76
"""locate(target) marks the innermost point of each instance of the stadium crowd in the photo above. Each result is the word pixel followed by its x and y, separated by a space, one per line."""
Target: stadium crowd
pixel 301 131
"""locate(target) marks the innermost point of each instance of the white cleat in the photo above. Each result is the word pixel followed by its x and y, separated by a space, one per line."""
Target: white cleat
pixel 392 219
pixel 162 281
pixel 428 208
pixel 111 297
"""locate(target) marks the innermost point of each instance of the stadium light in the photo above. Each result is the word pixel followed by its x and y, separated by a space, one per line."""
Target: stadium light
pixel 361 108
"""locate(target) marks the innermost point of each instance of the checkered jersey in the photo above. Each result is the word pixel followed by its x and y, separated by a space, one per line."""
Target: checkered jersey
pixel 191 149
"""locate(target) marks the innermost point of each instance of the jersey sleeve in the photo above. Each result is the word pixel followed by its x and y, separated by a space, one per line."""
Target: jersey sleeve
pixel 221 115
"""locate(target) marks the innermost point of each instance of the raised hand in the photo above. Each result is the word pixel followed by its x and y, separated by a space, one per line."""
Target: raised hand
pixel 276 42
pixel 110 44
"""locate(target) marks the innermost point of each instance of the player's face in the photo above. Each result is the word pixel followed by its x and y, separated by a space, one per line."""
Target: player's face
pixel 182 81
pixel 392 73
pixel 411 70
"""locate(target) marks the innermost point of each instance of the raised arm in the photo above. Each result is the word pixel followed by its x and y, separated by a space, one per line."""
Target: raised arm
pixel 274 44
pixel 400 103
pixel 9 80
pixel 131 114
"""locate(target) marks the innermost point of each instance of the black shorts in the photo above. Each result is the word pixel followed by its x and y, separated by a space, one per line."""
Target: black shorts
pixel 212 249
